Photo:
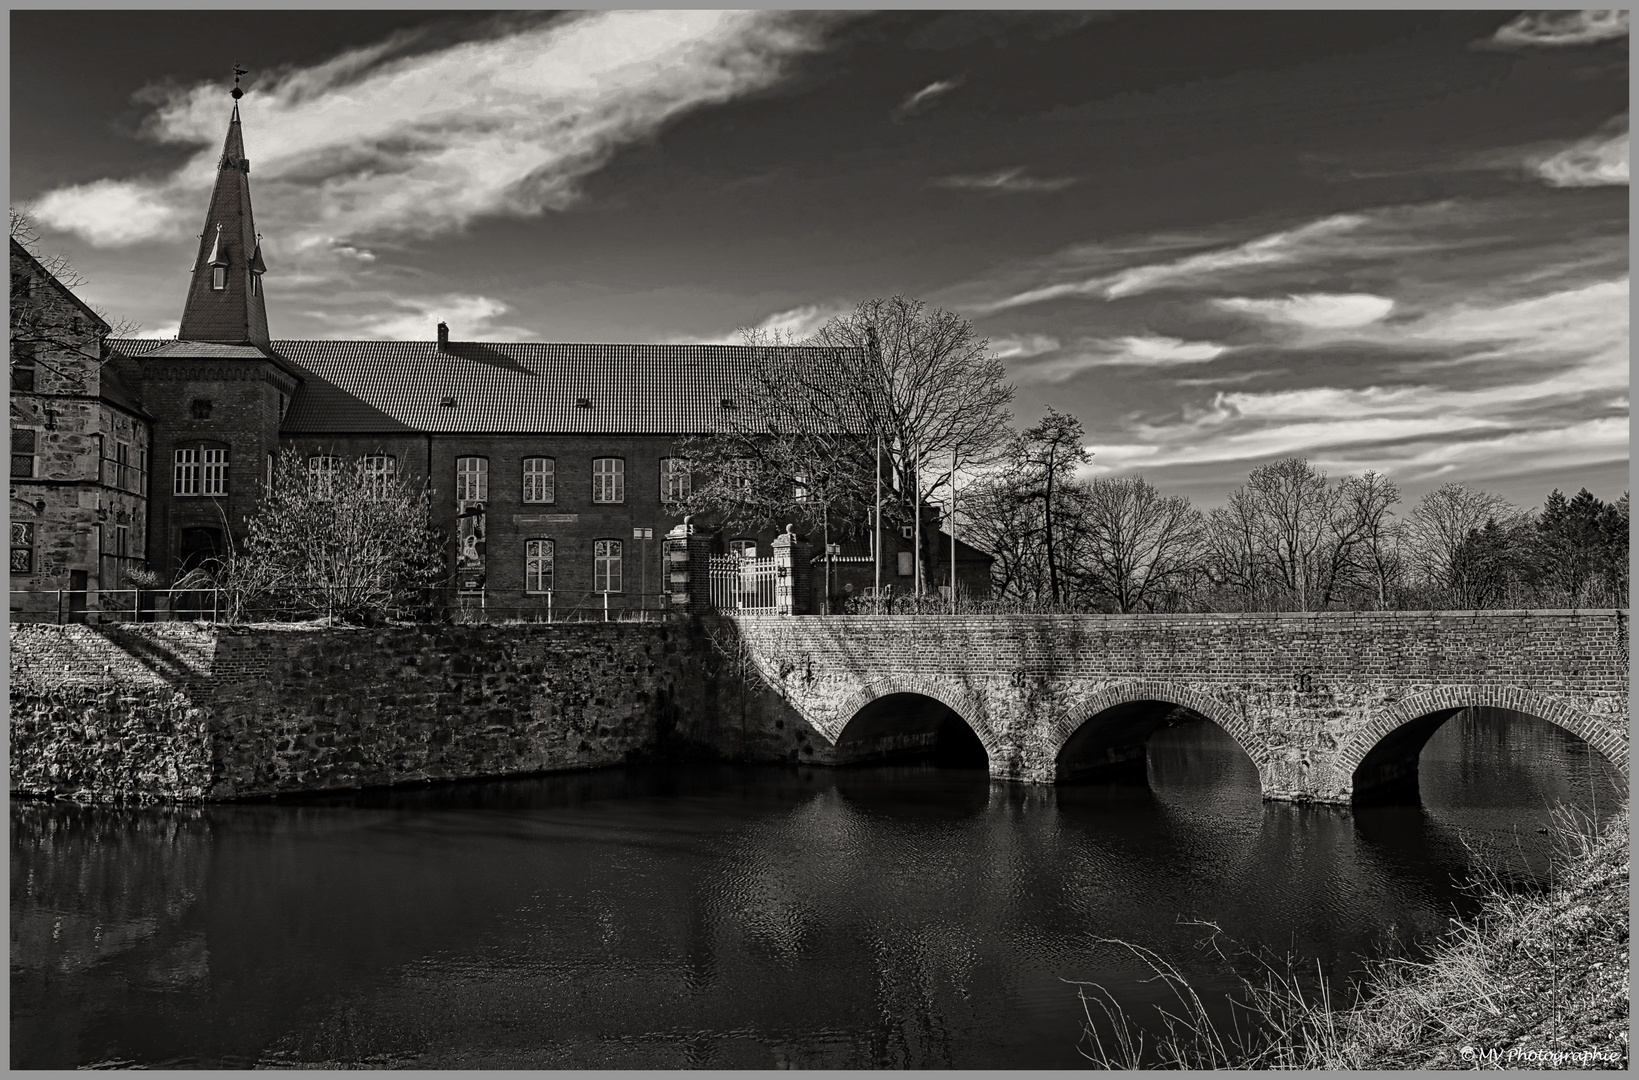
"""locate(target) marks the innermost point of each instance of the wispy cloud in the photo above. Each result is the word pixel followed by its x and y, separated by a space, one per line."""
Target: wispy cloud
pixel 1145 351
pixel 1306 242
pixel 1320 311
pixel 1596 161
pixel 1023 347
pixel 1556 29
pixel 1006 180
pixel 925 97
pixel 372 147
pixel 470 318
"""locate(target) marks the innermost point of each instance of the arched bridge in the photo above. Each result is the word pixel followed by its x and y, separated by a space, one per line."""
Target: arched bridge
pixel 1327 705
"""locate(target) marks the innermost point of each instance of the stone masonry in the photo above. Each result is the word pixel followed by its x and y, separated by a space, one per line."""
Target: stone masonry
pixel 1319 701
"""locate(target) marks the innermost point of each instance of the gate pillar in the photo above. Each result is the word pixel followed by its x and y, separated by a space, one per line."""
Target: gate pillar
pixel 793 574
pixel 687 553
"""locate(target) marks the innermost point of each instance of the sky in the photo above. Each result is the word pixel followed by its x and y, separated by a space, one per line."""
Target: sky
pixel 1378 240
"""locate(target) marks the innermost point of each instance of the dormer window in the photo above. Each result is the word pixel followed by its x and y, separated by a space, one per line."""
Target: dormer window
pixel 219 277
pixel 256 284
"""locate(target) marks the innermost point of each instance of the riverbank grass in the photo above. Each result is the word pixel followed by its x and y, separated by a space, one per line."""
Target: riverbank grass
pixel 1538 979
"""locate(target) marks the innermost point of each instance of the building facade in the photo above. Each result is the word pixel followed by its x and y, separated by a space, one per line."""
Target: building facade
pixel 553 469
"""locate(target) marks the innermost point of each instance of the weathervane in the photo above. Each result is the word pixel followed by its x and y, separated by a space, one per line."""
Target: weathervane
pixel 237 72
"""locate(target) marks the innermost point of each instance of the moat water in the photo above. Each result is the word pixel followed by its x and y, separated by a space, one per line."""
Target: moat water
pixel 720 917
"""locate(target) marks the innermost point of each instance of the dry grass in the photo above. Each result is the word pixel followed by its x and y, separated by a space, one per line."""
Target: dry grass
pixel 1539 979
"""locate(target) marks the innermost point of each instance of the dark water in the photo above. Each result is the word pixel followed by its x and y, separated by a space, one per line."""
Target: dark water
pixel 721 917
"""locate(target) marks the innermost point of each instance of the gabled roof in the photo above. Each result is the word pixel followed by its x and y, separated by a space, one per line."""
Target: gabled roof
pixel 512 388
pixel 112 388
pixel 19 251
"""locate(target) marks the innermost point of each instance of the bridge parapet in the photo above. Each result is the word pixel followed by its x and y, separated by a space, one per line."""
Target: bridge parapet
pixel 1309 696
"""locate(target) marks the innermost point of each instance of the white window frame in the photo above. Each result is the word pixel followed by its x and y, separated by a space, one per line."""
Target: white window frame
pixel 609 482
pixel 471 480
pixel 740 545
pixel 674 480
pixel 219 278
pixel 606 566
pixel 539 555
pixel 379 471
pixel 214 475
pixel 185 474
pixel 540 480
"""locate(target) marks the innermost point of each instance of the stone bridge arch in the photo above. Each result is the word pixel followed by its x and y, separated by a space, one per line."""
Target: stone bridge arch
pixel 1222 713
pixel 961 700
pixel 1398 733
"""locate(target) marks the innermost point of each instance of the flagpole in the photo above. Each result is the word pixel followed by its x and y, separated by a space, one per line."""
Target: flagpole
pixel 916 514
pixel 953 530
pixel 876 523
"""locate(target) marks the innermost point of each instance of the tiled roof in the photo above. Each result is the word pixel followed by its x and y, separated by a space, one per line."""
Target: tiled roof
pixel 112 388
pixel 513 387
pixel 185 350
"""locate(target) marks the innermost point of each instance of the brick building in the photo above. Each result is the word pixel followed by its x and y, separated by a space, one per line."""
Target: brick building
pixel 553 468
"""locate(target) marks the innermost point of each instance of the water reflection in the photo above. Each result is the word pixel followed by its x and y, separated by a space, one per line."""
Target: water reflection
pixel 720 917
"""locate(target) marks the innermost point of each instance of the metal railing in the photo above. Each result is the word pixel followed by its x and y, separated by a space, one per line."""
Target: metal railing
pixel 434 605
pixel 738 584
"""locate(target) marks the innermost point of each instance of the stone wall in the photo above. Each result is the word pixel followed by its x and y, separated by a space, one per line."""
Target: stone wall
pixel 178 711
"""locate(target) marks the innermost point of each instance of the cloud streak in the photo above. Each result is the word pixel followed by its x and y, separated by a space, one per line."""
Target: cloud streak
pixel 925 97
pixel 371 147
pixel 1318 311
pixel 1596 161
pixel 1135 351
pixel 1558 29
pixel 1011 180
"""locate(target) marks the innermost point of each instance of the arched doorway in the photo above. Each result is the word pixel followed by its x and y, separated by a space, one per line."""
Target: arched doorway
pixel 911 727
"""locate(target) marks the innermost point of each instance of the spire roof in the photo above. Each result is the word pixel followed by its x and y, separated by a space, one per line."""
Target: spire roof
pixel 235 313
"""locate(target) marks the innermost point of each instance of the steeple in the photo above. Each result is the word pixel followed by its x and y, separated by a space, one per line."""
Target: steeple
pixel 225 302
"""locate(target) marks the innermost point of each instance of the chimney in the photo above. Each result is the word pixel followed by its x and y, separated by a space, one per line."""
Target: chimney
pixel 443 337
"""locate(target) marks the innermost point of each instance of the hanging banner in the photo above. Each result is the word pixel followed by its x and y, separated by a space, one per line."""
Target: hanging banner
pixel 469 549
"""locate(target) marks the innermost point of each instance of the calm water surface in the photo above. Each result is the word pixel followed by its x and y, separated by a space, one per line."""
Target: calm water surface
pixel 728 917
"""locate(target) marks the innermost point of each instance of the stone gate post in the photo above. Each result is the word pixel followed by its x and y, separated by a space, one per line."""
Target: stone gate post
pixel 793 574
pixel 688 568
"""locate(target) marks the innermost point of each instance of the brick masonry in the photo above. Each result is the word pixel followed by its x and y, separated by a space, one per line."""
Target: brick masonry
pixel 1308 696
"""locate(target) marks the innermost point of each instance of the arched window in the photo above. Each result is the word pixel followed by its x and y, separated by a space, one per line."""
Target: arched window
pixel 606 566
pixel 200 469
pixel 471 480
pixel 538 566
pixel 608 481
pixel 744 547
pixel 322 470
pixel 674 480
pixel 540 480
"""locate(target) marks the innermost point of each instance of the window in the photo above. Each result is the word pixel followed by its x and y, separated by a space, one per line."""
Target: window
pixel 256 284
pixel 674 479
pixel 379 472
pixel 200 408
pixel 538 566
pixel 22 547
pixel 540 480
pixel 743 548
pixel 471 480
pixel 322 470
pixel 269 480
pixel 799 489
pixel 741 471
pixel 23 446
pixel 606 566
pixel 122 541
pixel 185 474
pixel 142 471
pixel 608 482
pixel 124 476
pixel 219 277
pixel 216 472
pixel 22 377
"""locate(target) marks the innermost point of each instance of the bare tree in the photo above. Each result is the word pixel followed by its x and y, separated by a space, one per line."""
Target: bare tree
pixel 1352 548
pixel 1140 544
pixel 353 544
pixel 1442 521
pixel 1042 466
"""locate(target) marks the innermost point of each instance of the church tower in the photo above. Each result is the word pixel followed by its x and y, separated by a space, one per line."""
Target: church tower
pixel 225 302
pixel 218 392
